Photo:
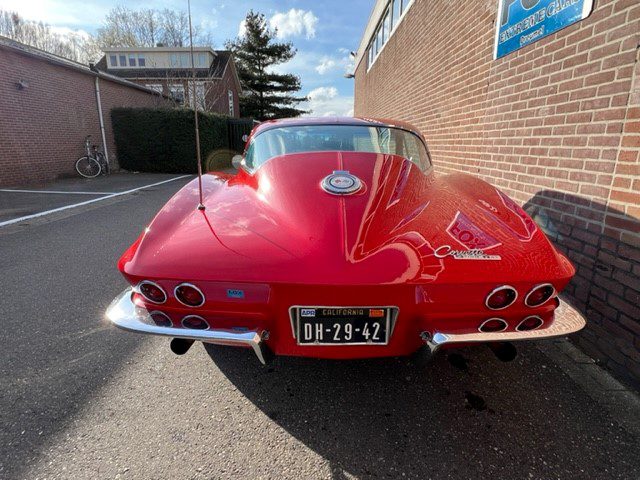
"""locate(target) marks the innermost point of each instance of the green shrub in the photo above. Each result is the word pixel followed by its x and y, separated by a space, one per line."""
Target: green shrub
pixel 163 140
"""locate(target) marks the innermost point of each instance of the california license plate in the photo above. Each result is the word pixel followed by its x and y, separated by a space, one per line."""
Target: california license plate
pixel 342 325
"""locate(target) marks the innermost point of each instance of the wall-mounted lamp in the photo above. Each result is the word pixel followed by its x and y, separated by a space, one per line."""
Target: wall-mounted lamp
pixel 22 84
pixel 349 75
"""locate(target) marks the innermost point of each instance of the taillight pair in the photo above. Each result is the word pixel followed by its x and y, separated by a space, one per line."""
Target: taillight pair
pixel 185 293
pixel 494 325
pixel 505 296
pixel 193 322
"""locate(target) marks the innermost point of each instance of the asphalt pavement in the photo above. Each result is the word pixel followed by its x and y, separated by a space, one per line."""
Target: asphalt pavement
pixel 82 400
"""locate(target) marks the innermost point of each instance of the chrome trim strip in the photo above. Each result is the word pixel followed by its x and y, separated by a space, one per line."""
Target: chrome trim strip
pixel 527 318
pixel 526 299
pixel 567 320
pixel 505 325
pixel 123 313
pixel 198 317
pixel 137 290
pixel 192 286
pixel 503 287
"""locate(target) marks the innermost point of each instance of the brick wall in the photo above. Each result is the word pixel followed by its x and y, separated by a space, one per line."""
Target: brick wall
pixel 556 125
pixel 42 127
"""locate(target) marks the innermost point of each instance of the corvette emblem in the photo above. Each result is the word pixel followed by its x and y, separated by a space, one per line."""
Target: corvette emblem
pixel 341 182
pixel 475 254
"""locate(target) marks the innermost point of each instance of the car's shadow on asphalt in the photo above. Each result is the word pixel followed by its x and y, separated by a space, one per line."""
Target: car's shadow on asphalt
pixel 466 414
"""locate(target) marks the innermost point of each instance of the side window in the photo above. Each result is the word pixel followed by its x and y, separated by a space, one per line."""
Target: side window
pixel 416 152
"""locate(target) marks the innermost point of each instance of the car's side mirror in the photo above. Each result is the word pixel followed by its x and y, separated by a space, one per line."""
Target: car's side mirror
pixel 237 161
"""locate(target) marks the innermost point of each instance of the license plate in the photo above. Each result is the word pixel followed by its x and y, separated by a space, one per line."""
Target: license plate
pixel 342 325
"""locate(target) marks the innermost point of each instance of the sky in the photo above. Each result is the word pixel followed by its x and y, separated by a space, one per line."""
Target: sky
pixel 323 32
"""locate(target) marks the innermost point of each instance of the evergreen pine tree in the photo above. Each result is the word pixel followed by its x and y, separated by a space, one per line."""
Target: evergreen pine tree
pixel 266 94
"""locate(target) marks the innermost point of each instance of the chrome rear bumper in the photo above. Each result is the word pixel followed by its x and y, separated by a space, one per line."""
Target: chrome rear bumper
pixel 123 313
pixel 567 320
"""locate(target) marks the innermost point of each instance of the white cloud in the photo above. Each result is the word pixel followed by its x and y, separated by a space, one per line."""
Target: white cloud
pixel 344 62
pixel 323 93
pixel 294 23
pixel 326 64
pixel 242 28
pixel 57 12
pixel 325 102
pixel 70 32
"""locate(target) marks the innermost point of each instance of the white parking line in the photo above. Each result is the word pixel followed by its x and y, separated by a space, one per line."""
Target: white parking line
pixel 10 190
pixel 93 200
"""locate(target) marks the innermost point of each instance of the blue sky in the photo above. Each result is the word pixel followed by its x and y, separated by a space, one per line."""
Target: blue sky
pixel 323 32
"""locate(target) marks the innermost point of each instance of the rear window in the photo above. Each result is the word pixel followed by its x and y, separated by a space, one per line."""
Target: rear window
pixel 346 138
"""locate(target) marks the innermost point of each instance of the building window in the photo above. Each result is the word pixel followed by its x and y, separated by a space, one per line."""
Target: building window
pixel 201 92
pixel 173 60
pixel 393 14
pixel 177 92
pixel 132 61
pixel 397 11
pixel 142 62
pixel 113 60
pixel 123 60
pixel 231 109
pixel 155 86
pixel 184 60
pixel 202 59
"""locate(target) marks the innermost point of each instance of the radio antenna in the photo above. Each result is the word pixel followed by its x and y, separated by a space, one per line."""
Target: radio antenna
pixel 195 110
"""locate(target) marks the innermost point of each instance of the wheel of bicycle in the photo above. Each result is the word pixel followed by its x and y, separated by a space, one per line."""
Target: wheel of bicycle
pixel 104 165
pixel 88 167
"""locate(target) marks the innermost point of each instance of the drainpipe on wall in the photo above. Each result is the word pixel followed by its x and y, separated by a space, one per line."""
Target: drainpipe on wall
pixel 104 137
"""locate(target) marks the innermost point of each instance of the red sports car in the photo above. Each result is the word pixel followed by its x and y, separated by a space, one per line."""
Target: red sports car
pixel 336 239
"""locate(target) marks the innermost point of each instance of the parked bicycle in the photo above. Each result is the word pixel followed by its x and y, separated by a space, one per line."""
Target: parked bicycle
pixel 93 163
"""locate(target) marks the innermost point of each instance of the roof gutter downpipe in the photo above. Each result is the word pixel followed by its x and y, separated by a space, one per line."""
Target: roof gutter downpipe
pixel 104 136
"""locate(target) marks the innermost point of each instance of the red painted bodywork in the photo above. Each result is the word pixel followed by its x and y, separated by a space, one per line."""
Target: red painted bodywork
pixel 279 237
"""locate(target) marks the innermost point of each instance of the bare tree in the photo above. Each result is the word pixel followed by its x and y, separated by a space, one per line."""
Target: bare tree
pixel 124 27
pixel 72 45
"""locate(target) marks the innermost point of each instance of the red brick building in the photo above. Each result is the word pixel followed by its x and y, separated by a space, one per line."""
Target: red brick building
pixel 48 105
pixel 555 124
pixel 167 70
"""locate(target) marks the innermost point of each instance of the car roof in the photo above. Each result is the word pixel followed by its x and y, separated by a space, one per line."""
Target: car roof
pixel 359 121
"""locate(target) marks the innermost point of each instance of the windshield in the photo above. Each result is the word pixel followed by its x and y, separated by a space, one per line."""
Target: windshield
pixel 345 138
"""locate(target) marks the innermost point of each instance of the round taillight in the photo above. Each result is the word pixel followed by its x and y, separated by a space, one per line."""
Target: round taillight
pixel 530 323
pixel 160 319
pixel 195 322
pixel 501 298
pixel 539 295
pixel 189 295
pixel 493 325
pixel 152 291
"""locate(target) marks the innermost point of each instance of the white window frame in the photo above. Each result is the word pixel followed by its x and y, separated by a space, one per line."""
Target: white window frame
pixel 231 97
pixel 388 9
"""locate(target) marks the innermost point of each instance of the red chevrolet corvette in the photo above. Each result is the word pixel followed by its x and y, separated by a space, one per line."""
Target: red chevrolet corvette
pixel 336 239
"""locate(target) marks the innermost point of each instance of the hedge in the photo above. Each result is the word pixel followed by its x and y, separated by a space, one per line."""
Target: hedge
pixel 163 140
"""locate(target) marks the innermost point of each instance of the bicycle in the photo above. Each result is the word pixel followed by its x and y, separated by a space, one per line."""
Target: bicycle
pixel 93 163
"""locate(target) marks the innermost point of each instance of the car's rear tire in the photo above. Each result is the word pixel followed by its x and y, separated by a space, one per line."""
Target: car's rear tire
pixel 88 167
